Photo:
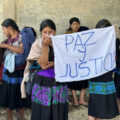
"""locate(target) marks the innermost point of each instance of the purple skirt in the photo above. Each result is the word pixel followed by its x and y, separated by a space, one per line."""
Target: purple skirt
pixel 49 98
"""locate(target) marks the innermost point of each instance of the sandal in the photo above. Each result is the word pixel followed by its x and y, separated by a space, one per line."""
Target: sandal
pixel 84 105
pixel 76 106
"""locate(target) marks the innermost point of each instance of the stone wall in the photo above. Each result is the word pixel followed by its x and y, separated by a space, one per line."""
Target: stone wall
pixel 1 19
pixel 32 12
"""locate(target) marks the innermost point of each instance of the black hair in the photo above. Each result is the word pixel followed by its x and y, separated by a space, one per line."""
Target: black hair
pixel 47 23
pixel 74 19
pixel 103 23
pixel 34 32
pixel 10 23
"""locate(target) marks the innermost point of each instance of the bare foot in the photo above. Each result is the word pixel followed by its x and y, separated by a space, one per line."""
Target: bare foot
pixel 83 103
pixel 75 103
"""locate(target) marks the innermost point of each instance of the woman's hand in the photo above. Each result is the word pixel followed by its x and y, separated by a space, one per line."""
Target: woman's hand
pixel 117 31
pixel 46 41
pixel 15 49
pixel 3 45
pixel 49 65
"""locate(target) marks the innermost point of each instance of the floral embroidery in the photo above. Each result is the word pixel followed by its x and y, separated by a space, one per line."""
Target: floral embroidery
pixel 104 88
pixel 48 96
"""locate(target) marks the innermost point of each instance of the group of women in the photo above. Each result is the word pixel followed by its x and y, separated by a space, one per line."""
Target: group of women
pixel 49 99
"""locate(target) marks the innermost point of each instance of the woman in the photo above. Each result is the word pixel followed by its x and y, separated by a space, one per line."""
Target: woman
pixel 80 85
pixel 117 70
pixel 103 103
pixel 75 26
pixel 49 98
pixel 10 96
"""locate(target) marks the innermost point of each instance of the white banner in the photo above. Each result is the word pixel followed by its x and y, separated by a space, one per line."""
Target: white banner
pixel 84 55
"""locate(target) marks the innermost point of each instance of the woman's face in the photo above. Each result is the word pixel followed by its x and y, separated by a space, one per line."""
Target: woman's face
pixel 75 26
pixel 47 31
pixel 6 31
